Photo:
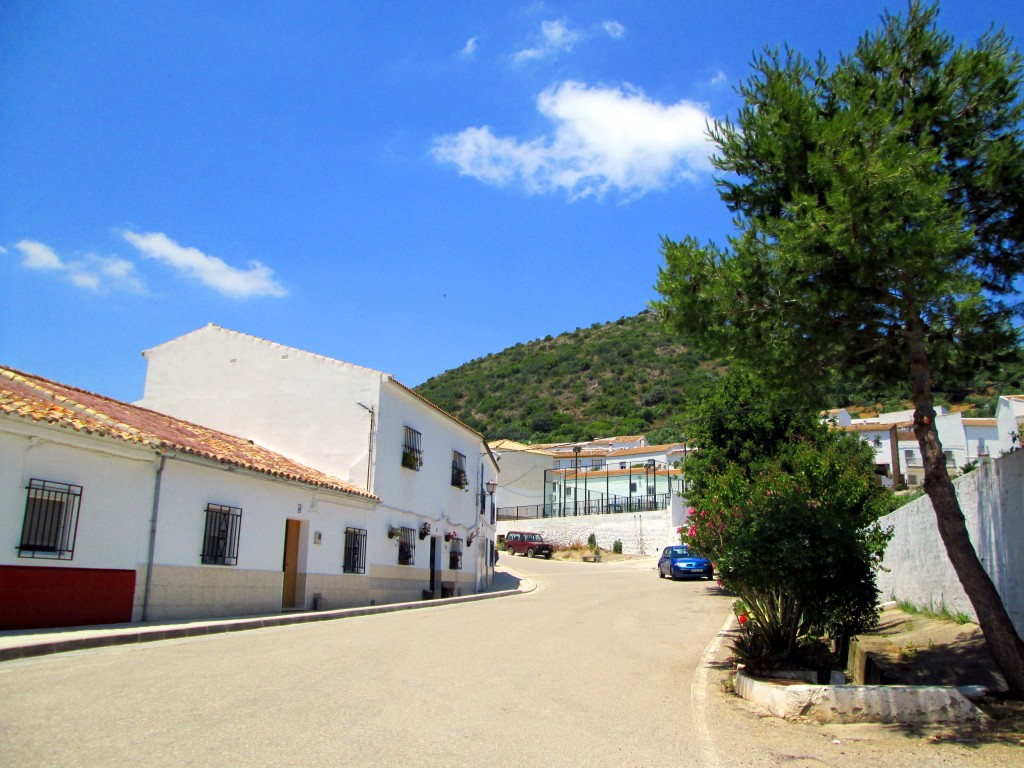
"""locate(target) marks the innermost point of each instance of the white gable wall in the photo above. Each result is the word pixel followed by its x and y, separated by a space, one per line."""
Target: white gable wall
pixel 296 403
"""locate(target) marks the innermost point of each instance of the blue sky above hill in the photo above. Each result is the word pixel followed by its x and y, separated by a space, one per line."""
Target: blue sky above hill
pixel 405 186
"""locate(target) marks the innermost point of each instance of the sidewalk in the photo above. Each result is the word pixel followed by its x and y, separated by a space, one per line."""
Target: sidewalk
pixel 25 643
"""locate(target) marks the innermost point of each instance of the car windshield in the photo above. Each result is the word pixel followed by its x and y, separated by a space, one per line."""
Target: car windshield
pixel 681 552
pixel 534 537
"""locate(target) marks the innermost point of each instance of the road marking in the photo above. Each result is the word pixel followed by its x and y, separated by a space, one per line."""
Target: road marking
pixel 699 694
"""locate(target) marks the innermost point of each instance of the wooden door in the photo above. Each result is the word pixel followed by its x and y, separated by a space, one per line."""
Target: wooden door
pixel 291 562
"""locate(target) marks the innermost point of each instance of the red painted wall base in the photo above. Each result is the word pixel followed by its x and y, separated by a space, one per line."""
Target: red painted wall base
pixel 35 597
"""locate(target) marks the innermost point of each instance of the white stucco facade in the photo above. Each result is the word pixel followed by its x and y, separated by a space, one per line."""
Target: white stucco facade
pixel 134 501
pixel 351 422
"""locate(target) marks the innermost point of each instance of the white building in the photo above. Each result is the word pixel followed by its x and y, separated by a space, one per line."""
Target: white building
pixel 113 513
pixel 521 483
pixel 429 470
pixel 964 440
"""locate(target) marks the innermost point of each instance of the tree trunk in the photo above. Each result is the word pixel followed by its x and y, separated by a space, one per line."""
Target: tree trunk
pixel 1004 643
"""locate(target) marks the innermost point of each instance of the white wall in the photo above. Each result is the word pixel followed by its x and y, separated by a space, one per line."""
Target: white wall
pixel 643 533
pixel 302 405
pixel 918 569
pixel 521 482
pixel 428 491
pixel 1009 412
pixel 117 493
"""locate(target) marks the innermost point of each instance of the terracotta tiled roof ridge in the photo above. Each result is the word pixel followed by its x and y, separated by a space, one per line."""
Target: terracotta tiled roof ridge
pixel 39 399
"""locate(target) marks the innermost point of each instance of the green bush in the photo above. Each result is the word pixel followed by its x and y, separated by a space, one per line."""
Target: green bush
pixel 617 547
pixel 592 541
pixel 787 510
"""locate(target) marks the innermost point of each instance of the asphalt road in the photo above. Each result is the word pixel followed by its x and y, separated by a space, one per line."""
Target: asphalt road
pixel 603 665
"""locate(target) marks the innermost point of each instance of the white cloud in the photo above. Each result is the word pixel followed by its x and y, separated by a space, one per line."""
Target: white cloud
pixel 211 271
pixel 92 272
pixel 38 256
pixel 603 139
pixel 719 79
pixel 469 48
pixel 556 38
pixel 613 28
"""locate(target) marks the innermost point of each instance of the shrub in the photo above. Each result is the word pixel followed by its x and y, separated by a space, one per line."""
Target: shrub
pixel 592 541
pixel 617 547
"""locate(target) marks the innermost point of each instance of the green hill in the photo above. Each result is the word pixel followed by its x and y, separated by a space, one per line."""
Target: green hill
pixel 625 377
pixel 630 376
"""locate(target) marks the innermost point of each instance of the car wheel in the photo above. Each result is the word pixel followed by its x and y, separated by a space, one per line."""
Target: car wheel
pixel 511 552
pixel 661 574
pixel 547 556
pixel 529 552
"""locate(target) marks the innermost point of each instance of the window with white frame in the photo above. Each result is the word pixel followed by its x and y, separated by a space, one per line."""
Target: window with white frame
pixel 355 551
pixel 222 534
pixel 51 520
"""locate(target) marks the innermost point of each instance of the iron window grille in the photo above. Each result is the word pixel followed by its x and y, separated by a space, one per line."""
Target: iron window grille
pixel 51 520
pixel 220 540
pixel 455 555
pixel 355 551
pixel 412 449
pixel 407 546
pixel 459 477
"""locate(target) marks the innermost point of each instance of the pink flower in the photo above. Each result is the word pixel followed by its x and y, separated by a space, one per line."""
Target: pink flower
pixel 692 532
pixel 690 511
pixel 679 529
pixel 719 583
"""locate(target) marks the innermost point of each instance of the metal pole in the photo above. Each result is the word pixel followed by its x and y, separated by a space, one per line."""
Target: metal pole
pixel 576 493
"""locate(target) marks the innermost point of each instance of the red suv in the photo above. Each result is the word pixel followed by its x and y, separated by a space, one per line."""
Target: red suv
pixel 527 543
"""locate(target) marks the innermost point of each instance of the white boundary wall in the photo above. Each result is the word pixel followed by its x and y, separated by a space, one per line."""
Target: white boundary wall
pixel 641 533
pixel 992 500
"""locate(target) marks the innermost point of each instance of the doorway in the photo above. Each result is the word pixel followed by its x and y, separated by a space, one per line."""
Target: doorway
pixel 290 565
pixel 433 566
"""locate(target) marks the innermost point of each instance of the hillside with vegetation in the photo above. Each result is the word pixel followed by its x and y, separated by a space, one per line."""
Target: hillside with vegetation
pixel 627 377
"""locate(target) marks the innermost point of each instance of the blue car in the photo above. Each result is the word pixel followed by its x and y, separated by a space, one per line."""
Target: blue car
pixel 679 562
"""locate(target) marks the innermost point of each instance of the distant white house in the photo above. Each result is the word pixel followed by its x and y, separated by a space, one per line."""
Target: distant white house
pixel 523 471
pixel 430 471
pixel 113 513
pixel 1009 420
pixel 964 440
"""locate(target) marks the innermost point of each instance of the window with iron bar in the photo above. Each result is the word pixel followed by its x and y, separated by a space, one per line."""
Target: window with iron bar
pixel 355 550
pixel 459 477
pixel 455 555
pixel 412 449
pixel 407 546
pixel 51 520
pixel 220 540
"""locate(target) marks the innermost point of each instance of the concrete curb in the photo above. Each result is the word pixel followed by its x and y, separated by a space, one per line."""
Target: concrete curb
pixel 907 704
pixel 102 637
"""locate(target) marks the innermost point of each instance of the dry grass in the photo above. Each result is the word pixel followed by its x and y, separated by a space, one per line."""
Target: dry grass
pixel 577 550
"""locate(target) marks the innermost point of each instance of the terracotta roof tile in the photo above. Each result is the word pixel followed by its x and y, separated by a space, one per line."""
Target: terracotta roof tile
pixel 27 396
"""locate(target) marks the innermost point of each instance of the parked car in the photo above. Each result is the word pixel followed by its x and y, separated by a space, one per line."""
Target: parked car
pixel 679 562
pixel 527 543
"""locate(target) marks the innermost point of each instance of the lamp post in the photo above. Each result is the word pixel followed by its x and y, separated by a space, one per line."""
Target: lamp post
pixel 576 474
pixel 491 486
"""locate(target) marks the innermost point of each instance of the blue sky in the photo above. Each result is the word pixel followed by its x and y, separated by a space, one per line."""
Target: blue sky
pixel 404 186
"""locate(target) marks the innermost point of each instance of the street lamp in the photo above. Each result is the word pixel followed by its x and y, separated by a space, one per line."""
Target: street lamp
pixel 576 474
pixel 491 486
